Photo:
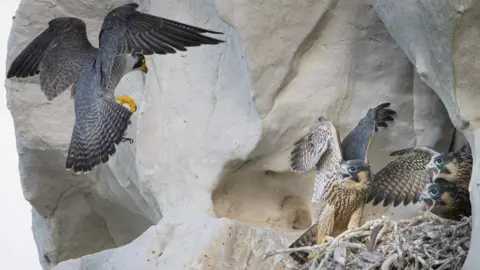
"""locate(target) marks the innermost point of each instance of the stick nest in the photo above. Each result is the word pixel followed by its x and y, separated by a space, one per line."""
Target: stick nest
pixel 424 242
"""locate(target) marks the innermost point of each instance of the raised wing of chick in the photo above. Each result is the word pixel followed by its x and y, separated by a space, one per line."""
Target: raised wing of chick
pixel 313 149
pixel 319 148
pixel 126 30
pixel 404 178
pixel 343 189
pixel 355 145
pixel 342 186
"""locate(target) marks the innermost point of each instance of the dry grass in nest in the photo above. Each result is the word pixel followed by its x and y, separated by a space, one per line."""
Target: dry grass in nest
pixel 424 242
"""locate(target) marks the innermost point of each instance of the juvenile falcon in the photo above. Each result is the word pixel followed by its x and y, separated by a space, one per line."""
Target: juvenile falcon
pixel 404 178
pixel 447 199
pixel 63 56
pixel 341 186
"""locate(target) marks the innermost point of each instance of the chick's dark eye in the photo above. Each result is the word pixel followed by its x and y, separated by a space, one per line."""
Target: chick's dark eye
pixel 434 192
pixel 439 161
pixel 352 169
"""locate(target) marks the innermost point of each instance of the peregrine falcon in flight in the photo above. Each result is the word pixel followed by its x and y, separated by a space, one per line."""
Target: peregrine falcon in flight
pixel 343 177
pixel 63 56
pixel 446 199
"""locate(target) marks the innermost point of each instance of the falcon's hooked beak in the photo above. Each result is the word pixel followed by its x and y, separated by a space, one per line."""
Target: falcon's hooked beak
pixel 144 68
pixel 344 171
pixel 432 169
pixel 425 197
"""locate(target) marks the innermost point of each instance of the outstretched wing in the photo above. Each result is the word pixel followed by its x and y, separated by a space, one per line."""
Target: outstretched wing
pixel 308 150
pixel 125 30
pixel 355 145
pixel 328 167
pixel 404 178
pixel 319 148
pixel 59 54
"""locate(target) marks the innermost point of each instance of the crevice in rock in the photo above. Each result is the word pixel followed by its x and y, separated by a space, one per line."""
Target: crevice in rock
pixel 261 198
pixel 84 223
pixel 77 215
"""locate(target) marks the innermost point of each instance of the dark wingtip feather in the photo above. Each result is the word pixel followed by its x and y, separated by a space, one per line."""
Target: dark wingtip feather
pixel 369 199
pixel 397 201
pixel 401 152
pixel 10 74
pixel 377 200
pixel 388 200
pixel 133 5
pixel 383 115
pixel 387 118
pixel 382 106
pixel 382 124
pixel 385 112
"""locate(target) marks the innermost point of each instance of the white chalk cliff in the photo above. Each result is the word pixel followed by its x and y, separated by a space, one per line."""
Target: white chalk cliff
pixel 206 185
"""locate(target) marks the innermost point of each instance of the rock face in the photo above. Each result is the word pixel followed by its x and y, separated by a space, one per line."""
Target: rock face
pixel 206 185
pixel 441 39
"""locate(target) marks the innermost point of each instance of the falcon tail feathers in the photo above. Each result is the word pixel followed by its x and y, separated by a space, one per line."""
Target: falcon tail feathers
pixel 308 238
pixel 94 139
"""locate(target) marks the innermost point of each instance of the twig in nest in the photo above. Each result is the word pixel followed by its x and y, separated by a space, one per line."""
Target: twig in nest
pixel 290 250
pixel 353 233
pixel 427 253
pixel 421 260
pixel 398 242
pixel 446 264
pixel 389 262
pixel 404 244
pixel 385 227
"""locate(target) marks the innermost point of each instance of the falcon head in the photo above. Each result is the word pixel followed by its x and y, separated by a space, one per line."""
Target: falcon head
pixel 441 192
pixel 140 63
pixel 443 166
pixel 355 170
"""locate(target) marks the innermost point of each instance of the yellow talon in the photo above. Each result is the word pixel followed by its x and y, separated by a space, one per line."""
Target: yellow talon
pixel 126 99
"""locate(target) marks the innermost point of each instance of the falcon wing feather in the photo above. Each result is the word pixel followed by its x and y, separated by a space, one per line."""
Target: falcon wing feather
pixel 355 145
pixel 59 54
pixel 319 148
pixel 126 30
pixel 404 178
